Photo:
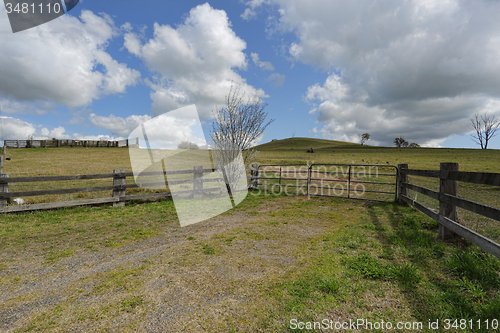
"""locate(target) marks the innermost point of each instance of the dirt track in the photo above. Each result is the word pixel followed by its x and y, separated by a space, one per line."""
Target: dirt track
pixel 194 278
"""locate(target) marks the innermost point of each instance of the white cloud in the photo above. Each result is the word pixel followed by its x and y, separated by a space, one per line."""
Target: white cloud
pixel 12 128
pixel 15 107
pixel 46 134
pixel 195 62
pixel 416 68
pixel 250 12
pixel 166 130
pixel 118 126
pixel 265 65
pixel 61 61
pixel 277 79
pixel 16 129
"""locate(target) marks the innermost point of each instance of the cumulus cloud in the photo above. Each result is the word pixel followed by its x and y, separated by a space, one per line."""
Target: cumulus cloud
pixel 277 79
pixel 118 126
pixel 63 61
pixel 195 62
pixel 46 134
pixel 16 129
pixel 166 130
pixel 416 68
pixel 265 65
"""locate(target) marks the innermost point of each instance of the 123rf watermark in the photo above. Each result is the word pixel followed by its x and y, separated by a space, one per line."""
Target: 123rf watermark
pixel 365 325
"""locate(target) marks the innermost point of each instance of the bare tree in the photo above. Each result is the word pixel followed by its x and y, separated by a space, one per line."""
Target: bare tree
pixel 365 137
pixel 485 127
pixel 235 128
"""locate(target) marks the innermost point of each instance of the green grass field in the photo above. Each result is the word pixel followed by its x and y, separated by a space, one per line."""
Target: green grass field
pixel 327 151
pixel 256 268
pixel 59 161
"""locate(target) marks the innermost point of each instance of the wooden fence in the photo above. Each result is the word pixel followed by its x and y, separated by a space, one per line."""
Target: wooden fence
pixel 119 186
pixel 449 201
pixel 69 143
pixel 447 196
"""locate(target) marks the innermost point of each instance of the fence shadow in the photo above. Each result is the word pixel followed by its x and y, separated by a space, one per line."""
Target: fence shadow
pixel 455 279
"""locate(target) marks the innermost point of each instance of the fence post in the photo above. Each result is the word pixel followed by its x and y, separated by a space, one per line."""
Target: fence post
pixel 197 181
pixel 308 180
pixel 119 179
pixel 17 143
pixel 254 176
pixel 4 188
pixel 448 187
pixel 349 183
pixel 280 178
pixel 403 178
pixel 127 143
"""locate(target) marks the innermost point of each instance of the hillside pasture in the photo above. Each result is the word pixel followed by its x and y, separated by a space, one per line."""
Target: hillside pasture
pixel 272 259
pixel 79 160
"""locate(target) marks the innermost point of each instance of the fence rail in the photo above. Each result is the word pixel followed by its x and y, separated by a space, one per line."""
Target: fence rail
pixel 118 187
pixel 69 143
pixel 449 201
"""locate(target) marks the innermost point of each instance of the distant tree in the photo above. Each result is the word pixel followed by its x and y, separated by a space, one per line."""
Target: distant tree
pixel 293 137
pixel 413 145
pixel 29 142
pixel 187 145
pixel 365 137
pixel 485 127
pixel 400 142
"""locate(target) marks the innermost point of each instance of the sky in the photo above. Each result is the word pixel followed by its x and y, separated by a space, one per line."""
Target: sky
pixel 327 69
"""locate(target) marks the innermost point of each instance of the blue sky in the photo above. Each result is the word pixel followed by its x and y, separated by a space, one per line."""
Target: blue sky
pixel 327 69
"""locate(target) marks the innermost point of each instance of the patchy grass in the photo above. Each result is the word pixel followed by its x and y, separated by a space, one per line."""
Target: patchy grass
pixel 389 265
pixel 61 233
pixel 321 258
pixel 268 261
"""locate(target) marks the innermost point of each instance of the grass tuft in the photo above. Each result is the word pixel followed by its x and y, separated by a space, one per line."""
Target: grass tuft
pixel 328 285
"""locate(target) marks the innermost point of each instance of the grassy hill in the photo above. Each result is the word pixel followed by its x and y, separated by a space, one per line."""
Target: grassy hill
pixel 305 143
pixel 294 151
pixel 66 161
